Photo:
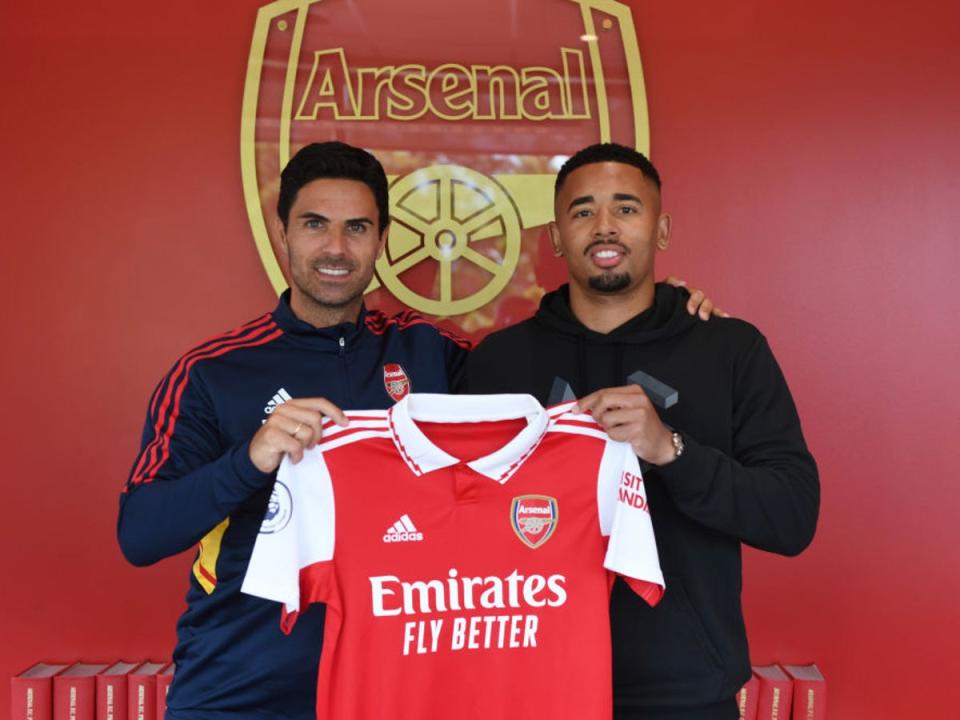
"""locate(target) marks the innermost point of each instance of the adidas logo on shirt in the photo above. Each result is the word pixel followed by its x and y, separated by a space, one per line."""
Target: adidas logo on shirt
pixel 403 530
pixel 278 399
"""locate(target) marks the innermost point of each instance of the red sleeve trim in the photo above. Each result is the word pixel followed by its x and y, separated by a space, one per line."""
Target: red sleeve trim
pixel 317 584
pixel 165 407
pixel 652 593
pixel 349 435
pixel 378 324
pixel 328 424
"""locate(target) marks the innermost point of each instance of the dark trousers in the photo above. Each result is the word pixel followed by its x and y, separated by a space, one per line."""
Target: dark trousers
pixel 726 710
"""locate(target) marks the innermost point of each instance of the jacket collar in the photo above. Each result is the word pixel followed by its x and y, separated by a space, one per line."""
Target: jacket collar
pixel 295 327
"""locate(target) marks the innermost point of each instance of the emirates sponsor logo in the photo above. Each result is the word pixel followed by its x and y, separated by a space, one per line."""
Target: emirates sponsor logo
pixel 395 381
pixel 393 596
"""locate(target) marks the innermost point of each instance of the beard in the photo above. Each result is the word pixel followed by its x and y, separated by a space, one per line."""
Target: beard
pixel 311 284
pixel 609 282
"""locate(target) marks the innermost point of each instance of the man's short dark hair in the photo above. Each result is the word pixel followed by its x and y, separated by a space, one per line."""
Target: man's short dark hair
pixel 333 160
pixel 607 152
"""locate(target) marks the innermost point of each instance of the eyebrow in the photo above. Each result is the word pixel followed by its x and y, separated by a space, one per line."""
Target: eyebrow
pixel 582 200
pixel 323 218
pixel 587 199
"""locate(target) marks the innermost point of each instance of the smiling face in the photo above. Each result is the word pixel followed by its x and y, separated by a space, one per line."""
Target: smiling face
pixel 608 228
pixel 332 242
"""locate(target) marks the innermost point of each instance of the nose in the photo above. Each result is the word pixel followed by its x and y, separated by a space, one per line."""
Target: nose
pixel 605 226
pixel 336 242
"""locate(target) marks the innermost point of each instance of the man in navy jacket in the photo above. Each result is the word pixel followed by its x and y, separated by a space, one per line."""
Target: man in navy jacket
pixel 220 421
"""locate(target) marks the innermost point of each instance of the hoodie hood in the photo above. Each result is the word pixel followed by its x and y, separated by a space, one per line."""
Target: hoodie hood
pixel 666 318
pixel 586 360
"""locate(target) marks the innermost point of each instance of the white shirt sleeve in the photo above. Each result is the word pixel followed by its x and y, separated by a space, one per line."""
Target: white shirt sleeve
pixel 298 530
pixel 625 518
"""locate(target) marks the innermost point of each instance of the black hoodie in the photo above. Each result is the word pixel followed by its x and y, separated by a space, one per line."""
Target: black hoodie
pixel 745 476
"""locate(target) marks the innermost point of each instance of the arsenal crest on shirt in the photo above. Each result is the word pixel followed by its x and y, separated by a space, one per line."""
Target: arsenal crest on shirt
pixel 534 518
pixel 396 382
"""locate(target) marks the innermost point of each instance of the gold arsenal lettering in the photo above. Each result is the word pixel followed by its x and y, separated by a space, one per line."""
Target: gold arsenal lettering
pixel 450 91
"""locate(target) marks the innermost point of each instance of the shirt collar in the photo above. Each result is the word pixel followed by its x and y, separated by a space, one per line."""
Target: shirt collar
pixel 422 456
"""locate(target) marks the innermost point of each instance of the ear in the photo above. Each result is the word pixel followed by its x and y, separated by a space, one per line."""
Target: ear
pixel 383 240
pixel 554 233
pixel 664 224
pixel 280 233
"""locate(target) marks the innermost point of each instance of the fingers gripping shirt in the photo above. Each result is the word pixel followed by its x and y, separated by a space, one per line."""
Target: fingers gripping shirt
pixel 463 546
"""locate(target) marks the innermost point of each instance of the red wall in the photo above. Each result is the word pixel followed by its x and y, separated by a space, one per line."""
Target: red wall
pixel 810 151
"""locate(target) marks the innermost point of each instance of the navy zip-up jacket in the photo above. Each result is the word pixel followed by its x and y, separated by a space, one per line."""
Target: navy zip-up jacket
pixel 193 484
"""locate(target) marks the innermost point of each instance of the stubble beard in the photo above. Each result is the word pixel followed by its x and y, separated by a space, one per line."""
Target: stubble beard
pixel 327 300
pixel 331 299
pixel 609 282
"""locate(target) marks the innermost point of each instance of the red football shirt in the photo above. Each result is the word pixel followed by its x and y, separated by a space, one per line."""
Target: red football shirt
pixel 463 546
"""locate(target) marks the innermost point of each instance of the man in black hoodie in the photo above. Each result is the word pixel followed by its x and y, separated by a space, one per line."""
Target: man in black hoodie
pixel 725 458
